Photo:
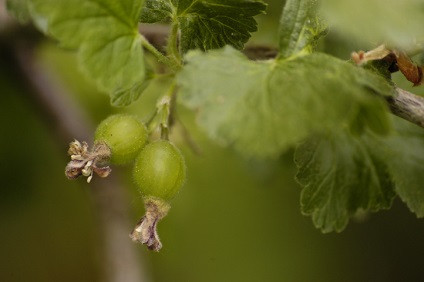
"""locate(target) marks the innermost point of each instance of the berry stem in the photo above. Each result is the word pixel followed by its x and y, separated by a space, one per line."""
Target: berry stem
pixel 162 117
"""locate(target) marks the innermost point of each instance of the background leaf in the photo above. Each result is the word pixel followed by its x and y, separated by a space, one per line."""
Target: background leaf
pixel 215 23
pixel 19 9
pixel 405 158
pixel 262 108
pixel 341 174
pixel 106 36
pixel 300 28
pixel 394 22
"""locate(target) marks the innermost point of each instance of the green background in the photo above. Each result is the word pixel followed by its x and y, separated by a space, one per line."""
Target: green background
pixel 235 219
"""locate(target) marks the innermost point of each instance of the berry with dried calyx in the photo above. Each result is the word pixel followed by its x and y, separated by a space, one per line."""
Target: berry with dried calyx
pixel 159 173
pixel 118 139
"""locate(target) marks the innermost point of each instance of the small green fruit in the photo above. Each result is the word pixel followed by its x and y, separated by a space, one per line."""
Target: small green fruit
pixel 160 170
pixel 125 136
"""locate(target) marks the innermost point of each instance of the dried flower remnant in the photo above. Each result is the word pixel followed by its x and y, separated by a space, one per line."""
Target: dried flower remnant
pixel 145 231
pixel 378 53
pixel 85 162
pixel 403 62
pixel 409 69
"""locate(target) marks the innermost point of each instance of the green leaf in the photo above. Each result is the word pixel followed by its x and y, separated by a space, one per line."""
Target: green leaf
pixel 207 24
pixel 263 108
pixel 156 11
pixel 124 98
pixel 300 28
pixel 341 174
pixel 405 158
pixel 394 22
pixel 106 36
pixel 19 9
pixel 212 24
pixel 372 117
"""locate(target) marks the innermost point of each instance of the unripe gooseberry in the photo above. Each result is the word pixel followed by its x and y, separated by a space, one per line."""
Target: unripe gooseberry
pixel 160 170
pixel 125 135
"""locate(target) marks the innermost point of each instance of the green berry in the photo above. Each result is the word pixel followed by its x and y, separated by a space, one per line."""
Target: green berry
pixel 125 136
pixel 159 170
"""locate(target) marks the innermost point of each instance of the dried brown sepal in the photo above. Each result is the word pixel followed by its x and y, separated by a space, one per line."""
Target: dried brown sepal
pixel 84 162
pixel 403 62
pixel 145 231
pixel 408 68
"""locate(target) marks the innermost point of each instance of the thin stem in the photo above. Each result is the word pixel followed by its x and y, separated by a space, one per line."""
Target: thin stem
pixel 152 118
pixel 161 58
pixel 172 48
pixel 161 118
pixel 171 91
pixel 165 106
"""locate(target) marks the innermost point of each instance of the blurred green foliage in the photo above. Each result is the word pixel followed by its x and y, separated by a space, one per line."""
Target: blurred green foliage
pixel 235 219
pixel 397 23
pixel 46 229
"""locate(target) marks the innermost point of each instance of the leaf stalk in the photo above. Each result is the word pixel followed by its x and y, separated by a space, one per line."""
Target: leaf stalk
pixel 173 65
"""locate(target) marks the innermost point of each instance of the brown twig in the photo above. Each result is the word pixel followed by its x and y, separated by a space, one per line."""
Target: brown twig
pixel 121 261
pixel 158 34
pixel 407 106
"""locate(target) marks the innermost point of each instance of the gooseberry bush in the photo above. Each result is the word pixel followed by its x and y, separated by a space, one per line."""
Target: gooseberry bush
pixel 352 154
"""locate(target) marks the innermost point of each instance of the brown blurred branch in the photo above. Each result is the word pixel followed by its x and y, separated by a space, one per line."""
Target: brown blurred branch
pixel 407 106
pixel 120 257
pixel 158 34
pixel 70 121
